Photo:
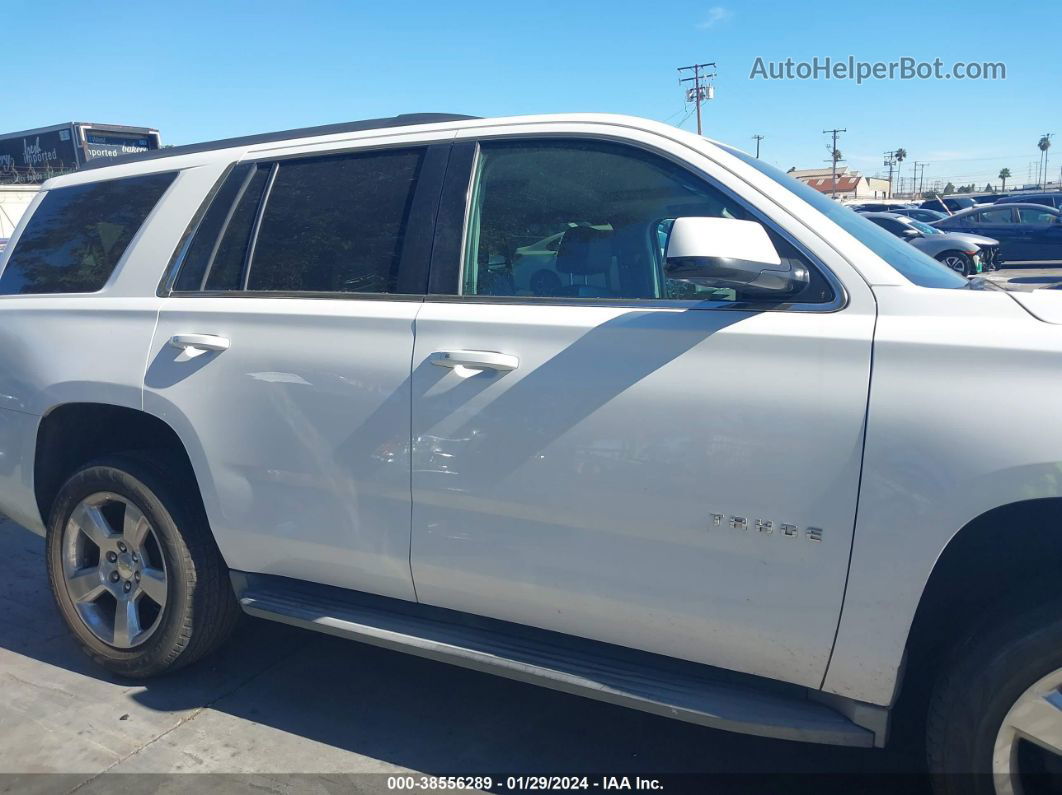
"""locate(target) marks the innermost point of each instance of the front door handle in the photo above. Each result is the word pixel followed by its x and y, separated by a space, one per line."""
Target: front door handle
pixel 199 342
pixel 476 360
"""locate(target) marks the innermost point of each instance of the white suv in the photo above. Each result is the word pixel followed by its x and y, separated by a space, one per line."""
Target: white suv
pixel 582 400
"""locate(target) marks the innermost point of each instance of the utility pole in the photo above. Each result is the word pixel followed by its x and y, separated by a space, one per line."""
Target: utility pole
pixel 834 158
pixel 699 93
pixel 890 161
pixel 1047 139
pixel 916 184
pixel 758 139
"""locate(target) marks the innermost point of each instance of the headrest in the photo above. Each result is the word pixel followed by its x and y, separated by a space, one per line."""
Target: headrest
pixel 584 251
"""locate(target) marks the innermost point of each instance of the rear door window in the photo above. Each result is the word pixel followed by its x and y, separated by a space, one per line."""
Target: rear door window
pixel 332 224
pixel 77 235
pixel 335 224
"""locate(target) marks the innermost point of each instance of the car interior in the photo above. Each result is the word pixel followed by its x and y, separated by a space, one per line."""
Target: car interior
pixel 588 220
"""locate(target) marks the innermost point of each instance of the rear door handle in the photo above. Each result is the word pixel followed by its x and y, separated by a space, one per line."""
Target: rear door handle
pixel 476 360
pixel 199 342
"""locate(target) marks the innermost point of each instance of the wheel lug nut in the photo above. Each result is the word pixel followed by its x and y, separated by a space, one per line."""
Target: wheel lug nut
pixel 114 576
pixel 128 586
pixel 111 557
pixel 121 546
pixel 136 576
pixel 134 557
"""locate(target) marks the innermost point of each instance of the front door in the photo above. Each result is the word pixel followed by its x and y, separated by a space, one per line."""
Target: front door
pixel 1039 236
pixel 603 452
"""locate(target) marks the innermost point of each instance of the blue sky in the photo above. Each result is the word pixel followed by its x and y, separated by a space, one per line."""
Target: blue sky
pixel 200 70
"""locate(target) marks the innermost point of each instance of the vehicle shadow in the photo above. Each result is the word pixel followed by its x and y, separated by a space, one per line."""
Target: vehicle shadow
pixel 430 717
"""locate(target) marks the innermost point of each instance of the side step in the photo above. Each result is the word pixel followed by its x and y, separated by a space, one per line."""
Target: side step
pixel 648 682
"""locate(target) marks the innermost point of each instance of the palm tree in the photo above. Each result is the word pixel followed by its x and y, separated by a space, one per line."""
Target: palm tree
pixel 900 155
pixel 1044 144
pixel 1004 175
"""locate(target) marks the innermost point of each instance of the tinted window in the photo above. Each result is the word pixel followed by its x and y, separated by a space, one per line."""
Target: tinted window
pixel 226 266
pixel 916 267
pixel 890 224
pixel 77 235
pixel 200 250
pixel 587 220
pixel 335 224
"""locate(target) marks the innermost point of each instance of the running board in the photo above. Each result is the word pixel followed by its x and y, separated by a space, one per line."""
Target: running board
pixel 640 680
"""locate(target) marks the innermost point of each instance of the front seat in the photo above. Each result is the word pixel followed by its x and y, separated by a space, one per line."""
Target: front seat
pixel 584 252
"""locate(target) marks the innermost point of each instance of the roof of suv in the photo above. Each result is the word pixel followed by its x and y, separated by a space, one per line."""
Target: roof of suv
pixel 1029 198
pixel 403 120
pixel 1020 205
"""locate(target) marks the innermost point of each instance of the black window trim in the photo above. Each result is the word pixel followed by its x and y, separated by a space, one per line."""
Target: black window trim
pixel 423 215
pixel 224 228
pixel 447 263
pixel 169 276
pixel 252 241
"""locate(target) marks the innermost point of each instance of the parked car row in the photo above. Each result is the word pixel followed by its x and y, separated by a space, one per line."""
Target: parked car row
pixel 968 254
pixel 1028 234
pixel 1019 230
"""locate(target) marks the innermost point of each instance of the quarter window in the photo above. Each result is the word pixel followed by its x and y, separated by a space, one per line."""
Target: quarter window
pixel 590 220
pixel 78 234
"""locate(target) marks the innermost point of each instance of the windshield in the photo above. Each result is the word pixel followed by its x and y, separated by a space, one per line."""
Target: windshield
pixel 925 229
pixel 918 268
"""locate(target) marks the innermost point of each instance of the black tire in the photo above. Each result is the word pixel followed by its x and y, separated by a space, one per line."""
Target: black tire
pixel 960 262
pixel 984 676
pixel 200 609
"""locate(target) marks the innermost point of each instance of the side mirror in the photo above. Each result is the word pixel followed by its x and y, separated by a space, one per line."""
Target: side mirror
pixel 910 233
pixel 731 254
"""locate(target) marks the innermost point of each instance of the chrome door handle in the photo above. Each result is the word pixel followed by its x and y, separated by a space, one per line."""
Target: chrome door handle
pixel 476 360
pixel 200 342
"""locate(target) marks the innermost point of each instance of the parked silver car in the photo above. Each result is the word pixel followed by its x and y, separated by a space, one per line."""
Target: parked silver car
pixel 965 253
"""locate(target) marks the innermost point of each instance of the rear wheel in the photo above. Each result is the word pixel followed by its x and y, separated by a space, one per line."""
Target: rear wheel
pixel 134 569
pixel 958 262
pixel 996 712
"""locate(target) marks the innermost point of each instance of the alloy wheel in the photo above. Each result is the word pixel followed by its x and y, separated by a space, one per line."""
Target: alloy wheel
pixel 956 264
pixel 113 570
pixel 1029 741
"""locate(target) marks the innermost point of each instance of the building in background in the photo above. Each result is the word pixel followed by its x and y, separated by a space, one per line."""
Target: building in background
pixel 14 199
pixel 32 156
pixel 850 184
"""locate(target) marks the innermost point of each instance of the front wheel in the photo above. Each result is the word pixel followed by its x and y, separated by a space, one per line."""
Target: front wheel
pixel 995 719
pixel 134 569
pixel 958 262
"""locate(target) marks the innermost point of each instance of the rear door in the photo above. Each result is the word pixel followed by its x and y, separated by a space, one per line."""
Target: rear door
pixel 999 222
pixel 604 452
pixel 282 358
